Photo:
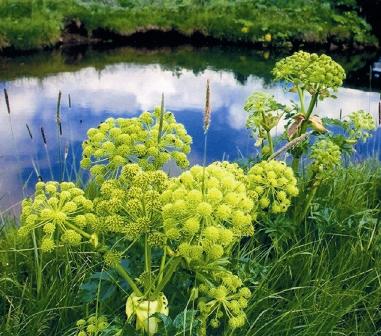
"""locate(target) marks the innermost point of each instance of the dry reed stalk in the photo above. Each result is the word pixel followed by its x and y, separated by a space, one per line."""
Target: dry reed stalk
pixel 207 111
pixel 47 152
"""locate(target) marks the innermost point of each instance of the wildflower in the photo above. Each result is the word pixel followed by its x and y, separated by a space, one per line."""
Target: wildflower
pixel 208 213
pixel 325 155
pixel 57 209
pixel 274 184
pixel 310 72
pixel 119 141
pixel 360 124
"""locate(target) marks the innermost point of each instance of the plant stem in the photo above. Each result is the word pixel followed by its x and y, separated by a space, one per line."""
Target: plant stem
pixel 38 264
pixel 118 267
pixel 168 275
pixel 270 141
pixel 310 197
pixel 301 98
pixel 147 257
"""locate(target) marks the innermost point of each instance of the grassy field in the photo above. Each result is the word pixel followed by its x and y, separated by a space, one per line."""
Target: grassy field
pixel 319 278
pixel 31 24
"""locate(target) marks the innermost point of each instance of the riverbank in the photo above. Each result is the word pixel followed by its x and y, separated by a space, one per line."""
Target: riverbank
pixel 32 25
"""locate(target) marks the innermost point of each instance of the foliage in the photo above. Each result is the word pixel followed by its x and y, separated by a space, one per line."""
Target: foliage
pixel 175 255
pixel 34 24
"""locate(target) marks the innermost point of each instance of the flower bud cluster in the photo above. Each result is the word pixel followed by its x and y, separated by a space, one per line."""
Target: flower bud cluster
pixel 124 140
pixel 226 298
pixel 57 209
pixel 310 71
pixel 264 112
pixel 361 125
pixel 205 211
pixel 325 155
pixel 94 325
pixel 272 184
pixel 131 205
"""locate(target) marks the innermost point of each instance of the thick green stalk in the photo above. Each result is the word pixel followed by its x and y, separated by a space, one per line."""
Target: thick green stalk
pixel 301 98
pixel 147 257
pixel 315 185
pixel 103 248
pixel 119 268
pixel 171 269
pixel 270 141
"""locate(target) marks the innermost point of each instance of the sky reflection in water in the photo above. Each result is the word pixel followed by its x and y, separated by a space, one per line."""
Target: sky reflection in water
pixel 124 90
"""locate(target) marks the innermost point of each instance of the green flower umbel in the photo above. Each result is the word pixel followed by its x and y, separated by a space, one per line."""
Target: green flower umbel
pixel 130 205
pixel 310 72
pixel 60 211
pixel 224 296
pixel 205 211
pixel 361 124
pixel 272 185
pixel 325 155
pixel 135 140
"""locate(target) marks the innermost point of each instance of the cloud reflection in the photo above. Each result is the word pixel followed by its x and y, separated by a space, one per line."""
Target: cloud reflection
pixel 124 90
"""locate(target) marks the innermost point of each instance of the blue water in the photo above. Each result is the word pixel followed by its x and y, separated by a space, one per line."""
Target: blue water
pixel 124 88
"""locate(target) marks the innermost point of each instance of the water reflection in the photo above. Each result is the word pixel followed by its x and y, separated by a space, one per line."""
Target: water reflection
pixel 129 84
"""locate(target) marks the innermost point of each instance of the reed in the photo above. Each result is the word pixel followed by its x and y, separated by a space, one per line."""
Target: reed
pixel 47 153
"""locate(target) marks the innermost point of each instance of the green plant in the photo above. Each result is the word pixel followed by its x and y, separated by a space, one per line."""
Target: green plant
pixel 149 236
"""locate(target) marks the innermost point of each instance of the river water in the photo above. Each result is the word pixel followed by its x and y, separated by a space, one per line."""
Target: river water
pixel 122 82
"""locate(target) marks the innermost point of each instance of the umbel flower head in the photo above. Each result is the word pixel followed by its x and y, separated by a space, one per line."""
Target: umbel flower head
pixel 94 325
pixel 325 155
pixel 131 205
pixel 205 211
pixel 57 209
pixel 135 140
pixel 224 296
pixel 264 112
pixel 361 124
pixel 272 185
pixel 310 72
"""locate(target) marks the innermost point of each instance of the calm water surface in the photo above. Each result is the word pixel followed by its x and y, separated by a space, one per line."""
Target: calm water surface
pixel 123 82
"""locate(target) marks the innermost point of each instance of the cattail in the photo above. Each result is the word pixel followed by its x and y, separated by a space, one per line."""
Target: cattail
pixel 379 112
pixel 69 98
pixel 341 113
pixel 29 131
pixel 7 101
pixel 207 111
pixel 58 113
pixel 43 135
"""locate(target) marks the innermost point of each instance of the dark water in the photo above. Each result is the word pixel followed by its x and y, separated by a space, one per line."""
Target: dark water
pixel 123 82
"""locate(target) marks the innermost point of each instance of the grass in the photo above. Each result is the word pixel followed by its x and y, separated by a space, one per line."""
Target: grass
pixel 320 277
pixel 32 24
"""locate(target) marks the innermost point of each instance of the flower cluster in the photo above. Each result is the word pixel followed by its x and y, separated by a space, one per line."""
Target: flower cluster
pixel 227 297
pixel 124 140
pixel 310 71
pixel 92 326
pixel 60 210
pixel 264 112
pixel 361 125
pixel 325 155
pixel 130 205
pixel 272 185
pixel 205 211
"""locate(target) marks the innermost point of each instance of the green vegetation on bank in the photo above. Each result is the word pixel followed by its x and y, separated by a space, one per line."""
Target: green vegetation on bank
pixel 322 281
pixel 30 24
pixel 262 249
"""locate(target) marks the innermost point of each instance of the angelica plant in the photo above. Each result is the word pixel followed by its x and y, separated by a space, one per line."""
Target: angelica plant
pixel 151 140
pixel 314 78
pixel 264 114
